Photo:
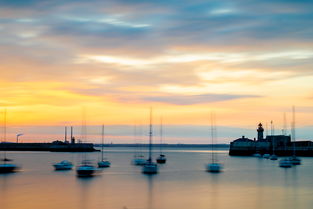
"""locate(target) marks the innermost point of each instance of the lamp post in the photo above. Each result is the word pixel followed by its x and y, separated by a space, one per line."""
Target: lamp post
pixel 18 135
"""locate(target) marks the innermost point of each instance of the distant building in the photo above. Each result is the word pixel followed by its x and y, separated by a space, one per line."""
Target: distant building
pixel 260 131
pixel 281 144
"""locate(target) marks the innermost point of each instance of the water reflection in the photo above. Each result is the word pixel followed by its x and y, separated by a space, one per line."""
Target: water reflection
pixel 214 199
pixel 150 202
pixel 290 193
pixel 85 186
pixel 259 184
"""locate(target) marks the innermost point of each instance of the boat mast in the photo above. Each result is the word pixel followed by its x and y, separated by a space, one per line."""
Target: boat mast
pixel 212 136
pixel 102 141
pixel 285 124
pixel 161 136
pixel 5 130
pixel 150 136
pixel 293 130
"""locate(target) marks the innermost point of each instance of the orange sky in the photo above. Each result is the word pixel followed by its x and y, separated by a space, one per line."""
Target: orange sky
pixel 116 61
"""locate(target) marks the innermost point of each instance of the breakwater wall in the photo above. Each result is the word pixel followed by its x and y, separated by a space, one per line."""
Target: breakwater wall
pixel 52 147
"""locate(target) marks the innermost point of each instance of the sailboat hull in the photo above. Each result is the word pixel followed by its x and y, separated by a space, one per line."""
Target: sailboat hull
pixel 104 164
pixel 86 171
pixel 7 168
pixel 285 163
pixel 161 160
pixel 150 168
pixel 295 161
pixel 214 168
pixel 139 161
pixel 64 165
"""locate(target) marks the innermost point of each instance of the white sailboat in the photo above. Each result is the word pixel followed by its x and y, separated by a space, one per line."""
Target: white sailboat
pixel 294 159
pixel 266 156
pixel 139 158
pixel 214 166
pixel 162 158
pixel 285 163
pixel 104 163
pixel 150 167
pixel 64 164
pixel 273 156
pixel 86 168
pixel 6 167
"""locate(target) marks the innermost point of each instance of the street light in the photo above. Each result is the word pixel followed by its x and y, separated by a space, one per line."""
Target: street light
pixel 18 135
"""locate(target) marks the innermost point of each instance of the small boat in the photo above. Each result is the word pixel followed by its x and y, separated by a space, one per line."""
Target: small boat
pixel 295 160
pixel 7 168
pixel 273 157
pixel 285 163
pixel 139 160
pixel 257 155
pixel 161 159
pixel 150 167
pixel 266 156
pixel 86 169
pixel 103 163
pixel 214 166
pixel 63 165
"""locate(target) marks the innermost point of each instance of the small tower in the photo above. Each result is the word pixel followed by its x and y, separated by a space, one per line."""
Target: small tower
pixel 260 132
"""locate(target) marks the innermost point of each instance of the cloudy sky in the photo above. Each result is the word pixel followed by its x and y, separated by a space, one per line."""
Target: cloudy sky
pixel 248 61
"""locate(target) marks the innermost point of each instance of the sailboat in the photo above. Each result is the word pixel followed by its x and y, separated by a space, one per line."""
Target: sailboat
pixel 138 157
pixel 294 159
pixel 6 167
pixel 86 168
pixel 214 166
pixel 103 163
pixel 273 156
pixel 150 167
pixel 161 159
pixel 64 164
pixel 285 163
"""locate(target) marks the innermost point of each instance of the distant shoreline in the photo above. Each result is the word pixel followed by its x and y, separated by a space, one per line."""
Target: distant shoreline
pixel 167 145
pixel 89 147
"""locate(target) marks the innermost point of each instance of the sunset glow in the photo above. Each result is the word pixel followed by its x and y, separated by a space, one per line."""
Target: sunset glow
pixel 117 59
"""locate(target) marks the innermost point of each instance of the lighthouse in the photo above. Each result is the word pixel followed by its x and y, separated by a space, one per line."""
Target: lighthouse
pixel 260 132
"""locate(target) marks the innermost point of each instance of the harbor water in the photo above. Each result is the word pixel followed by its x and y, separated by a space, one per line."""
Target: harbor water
pixel 182 183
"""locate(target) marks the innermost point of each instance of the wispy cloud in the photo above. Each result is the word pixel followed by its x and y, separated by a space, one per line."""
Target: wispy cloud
pixel 187 53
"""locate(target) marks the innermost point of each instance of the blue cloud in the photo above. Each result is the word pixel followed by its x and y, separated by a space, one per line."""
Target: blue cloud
pixel 194 99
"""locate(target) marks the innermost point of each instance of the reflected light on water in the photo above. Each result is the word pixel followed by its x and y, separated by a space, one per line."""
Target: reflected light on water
pixel 182 183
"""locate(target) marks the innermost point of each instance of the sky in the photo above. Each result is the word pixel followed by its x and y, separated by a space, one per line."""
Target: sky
pixel 108 62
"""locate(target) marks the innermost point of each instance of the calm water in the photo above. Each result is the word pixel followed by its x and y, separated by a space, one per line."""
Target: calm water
pixel 182 183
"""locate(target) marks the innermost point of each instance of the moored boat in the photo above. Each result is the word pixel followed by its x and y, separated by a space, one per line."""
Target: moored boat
pixel 86 169
pixel 285 163
pixel 161 159
pixel 104 163
pixel 266 156
pixel 63 165
pixel 7 168
pixel 214 166
pixel 150 167
pixel 139 160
